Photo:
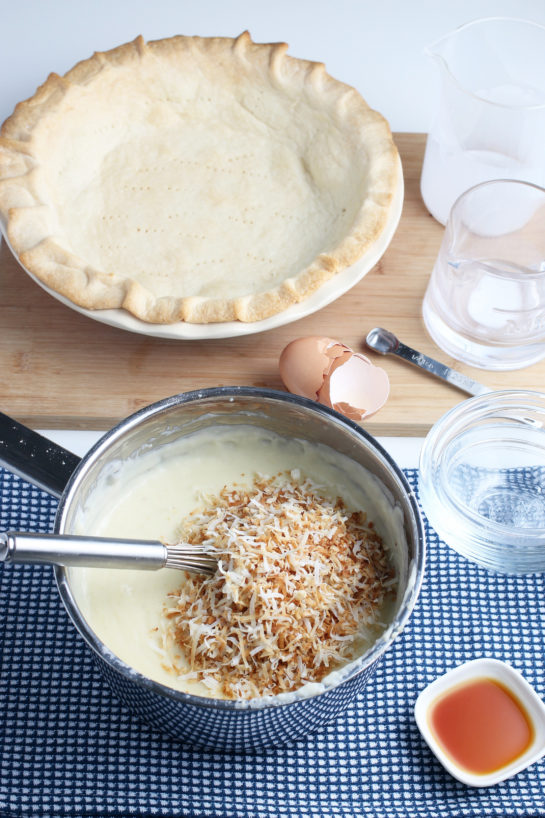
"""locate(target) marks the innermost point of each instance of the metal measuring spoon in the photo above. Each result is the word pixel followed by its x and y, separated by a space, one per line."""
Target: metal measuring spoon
pixel 385 342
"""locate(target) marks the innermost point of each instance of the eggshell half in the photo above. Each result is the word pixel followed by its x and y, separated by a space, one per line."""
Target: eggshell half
pixel 325 370
pixel 306 361
pixel 356 388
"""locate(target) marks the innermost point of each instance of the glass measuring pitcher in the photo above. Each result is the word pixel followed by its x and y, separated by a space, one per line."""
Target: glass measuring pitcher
pixel 490 121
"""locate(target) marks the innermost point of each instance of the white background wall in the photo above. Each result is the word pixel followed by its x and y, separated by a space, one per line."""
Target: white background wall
pixel 375 45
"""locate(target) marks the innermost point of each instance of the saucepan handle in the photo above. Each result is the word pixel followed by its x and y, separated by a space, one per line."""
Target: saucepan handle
pixel 34 457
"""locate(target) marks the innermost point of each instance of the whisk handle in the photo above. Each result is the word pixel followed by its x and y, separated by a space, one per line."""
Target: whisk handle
pixel 72 550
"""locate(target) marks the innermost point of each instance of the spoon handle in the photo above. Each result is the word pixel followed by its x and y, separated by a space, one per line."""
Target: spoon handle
pixel 440 370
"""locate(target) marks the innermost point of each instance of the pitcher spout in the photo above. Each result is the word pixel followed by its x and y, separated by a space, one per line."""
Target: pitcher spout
pixel 437 50
pixel 499 50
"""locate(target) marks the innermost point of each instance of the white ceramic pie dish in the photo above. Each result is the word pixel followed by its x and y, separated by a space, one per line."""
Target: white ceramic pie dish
pixel 196 179
pixel 327 293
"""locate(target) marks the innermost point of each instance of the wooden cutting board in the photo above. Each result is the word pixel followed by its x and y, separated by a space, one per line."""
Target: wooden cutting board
pixel 63 370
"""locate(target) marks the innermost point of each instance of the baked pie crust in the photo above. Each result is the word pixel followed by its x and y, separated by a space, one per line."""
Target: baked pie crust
pixel 194 179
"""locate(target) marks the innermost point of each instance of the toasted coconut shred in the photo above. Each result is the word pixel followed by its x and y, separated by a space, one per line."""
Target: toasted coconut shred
pixel 299 589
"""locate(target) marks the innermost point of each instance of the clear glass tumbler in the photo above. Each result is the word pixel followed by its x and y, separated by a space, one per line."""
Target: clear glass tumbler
pixel 485 301
pixel 482 480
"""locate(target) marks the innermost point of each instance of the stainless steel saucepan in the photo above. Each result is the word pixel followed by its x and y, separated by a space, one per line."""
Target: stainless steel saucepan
pixel 204 722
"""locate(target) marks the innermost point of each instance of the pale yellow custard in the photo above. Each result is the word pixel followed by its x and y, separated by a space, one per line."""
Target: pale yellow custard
pixel 148 498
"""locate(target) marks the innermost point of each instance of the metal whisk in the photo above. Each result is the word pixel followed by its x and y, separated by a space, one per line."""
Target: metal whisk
pixel 102 552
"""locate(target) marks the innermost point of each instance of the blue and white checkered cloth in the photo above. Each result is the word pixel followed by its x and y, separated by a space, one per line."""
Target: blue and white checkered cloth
pixel 69 748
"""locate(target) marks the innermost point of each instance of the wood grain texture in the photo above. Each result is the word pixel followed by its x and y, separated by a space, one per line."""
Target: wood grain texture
pixel 61 369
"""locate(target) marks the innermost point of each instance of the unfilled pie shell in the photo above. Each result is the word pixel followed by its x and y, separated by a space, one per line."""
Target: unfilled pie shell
pixel 194 179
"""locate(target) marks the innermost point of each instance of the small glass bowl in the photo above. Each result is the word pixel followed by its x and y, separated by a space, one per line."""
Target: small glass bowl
pixel 482 480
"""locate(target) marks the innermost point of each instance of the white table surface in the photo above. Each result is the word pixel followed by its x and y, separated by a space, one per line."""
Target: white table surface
pixel 376 47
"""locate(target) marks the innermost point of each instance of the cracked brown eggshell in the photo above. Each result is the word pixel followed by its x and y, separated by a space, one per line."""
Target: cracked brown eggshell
pixel 328 371
pixel 305 362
